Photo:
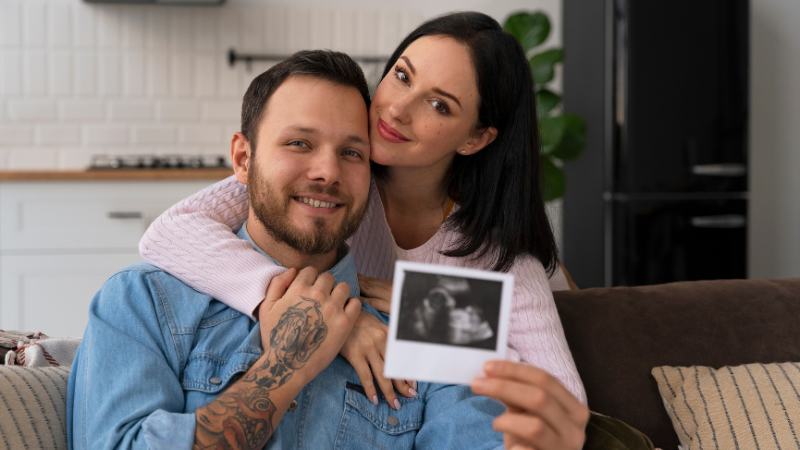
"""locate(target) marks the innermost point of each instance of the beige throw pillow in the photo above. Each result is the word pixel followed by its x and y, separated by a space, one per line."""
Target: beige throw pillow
pixel 33 405
pixel 754 406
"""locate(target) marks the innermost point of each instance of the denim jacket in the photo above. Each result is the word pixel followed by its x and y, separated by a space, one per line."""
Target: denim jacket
pixel 156 350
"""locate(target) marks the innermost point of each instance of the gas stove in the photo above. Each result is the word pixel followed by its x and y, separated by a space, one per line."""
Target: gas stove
pixel 131 162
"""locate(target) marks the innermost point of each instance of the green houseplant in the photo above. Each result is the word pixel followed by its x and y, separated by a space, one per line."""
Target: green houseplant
pixel 563 135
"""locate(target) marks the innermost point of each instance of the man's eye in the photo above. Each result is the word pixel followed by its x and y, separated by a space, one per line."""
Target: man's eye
pixel 298 144
pixel 352 153
pixel 440 106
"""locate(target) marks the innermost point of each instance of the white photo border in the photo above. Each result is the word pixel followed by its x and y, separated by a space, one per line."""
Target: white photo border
pixel 440 363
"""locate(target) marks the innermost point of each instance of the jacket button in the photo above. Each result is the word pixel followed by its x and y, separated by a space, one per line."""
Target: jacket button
pixel 215 381
pixel 392 421
pixel 293 405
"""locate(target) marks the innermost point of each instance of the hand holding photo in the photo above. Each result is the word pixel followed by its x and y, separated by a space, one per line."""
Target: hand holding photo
pixel 446 322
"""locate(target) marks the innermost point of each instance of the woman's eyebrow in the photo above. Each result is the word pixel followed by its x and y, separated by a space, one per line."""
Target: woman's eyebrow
pixel 410 66
pixel 447 94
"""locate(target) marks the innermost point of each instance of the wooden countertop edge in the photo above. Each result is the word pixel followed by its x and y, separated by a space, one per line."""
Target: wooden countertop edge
pixel 117 175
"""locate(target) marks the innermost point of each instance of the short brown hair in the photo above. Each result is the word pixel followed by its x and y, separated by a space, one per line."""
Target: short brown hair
pixel 331 66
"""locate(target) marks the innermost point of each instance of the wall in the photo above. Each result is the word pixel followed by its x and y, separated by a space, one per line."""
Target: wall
pixel 774 243
pixel 79 79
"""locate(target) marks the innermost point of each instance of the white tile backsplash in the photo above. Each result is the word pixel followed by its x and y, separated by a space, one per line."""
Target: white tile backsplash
pixel 60 72
pixel 109 73
pixel 82 110
pixel 32 110
pixel 83 31
pixel 10 25
pixel 78 79
pixel 10 73
pixel 85 70
pixel 58 135
pixel 16 134
pixel 133 73
pixel 184 111
pixel 34 24
pixel 140 110
pixel 34 67
pixel 59 25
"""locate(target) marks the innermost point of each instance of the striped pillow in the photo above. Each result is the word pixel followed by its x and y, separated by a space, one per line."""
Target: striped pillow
pixel 755 406
pixel 33 405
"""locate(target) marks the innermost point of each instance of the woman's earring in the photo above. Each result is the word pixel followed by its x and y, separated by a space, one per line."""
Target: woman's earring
pixel 463 152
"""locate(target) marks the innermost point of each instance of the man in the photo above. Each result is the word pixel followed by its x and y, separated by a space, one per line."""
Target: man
pixel 163 366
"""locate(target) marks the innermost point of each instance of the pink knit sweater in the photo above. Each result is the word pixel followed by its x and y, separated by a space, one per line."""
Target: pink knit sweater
pixel 195 241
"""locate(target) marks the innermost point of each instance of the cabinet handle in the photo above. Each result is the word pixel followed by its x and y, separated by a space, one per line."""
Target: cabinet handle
pixel 723 221
pixel 125 215
pixel 720 170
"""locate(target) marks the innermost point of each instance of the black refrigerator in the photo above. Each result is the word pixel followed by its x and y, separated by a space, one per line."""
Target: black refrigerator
pixel 660 194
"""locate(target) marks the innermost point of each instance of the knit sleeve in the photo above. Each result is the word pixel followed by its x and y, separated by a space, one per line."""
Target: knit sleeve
pixel 535 329
pixel 194 241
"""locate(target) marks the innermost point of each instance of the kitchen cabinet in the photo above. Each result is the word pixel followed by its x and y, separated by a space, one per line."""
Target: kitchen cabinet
pixel 60 241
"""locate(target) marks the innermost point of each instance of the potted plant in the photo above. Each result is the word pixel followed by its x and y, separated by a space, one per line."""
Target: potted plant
pixel 562 135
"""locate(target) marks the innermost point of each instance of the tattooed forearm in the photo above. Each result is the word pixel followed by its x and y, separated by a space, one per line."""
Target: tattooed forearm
pixel 242 417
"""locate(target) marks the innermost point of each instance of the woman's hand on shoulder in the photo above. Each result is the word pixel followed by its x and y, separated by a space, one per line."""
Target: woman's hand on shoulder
pixel 541 413
pixel 377 293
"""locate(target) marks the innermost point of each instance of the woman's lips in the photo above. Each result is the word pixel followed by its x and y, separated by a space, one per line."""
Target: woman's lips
pixel 389 133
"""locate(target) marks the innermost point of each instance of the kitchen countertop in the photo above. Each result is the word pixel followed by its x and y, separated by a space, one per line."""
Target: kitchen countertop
pixel 116 175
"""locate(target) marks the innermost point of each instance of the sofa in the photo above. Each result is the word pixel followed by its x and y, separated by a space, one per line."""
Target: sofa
pixel 617 336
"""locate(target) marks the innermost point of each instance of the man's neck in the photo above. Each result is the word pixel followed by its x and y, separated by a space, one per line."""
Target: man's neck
pixel 283 253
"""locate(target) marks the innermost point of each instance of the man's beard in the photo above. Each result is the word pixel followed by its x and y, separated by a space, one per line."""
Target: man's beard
pixel 271 210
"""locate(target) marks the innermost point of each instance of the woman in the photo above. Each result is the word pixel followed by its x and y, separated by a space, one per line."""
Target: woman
pixel 454 147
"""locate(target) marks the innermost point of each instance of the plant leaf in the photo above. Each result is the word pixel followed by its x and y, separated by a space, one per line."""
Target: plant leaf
pixel 551 133
pixel 573 137
pixel 554 183
pixel 543 65
pixel 529 29
pixel 545 101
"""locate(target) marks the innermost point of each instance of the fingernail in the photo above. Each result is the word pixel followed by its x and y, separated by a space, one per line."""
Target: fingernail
pixel 414 384
pixel 397 404
pixel 479 383
pixel 375 400
pixel 412 392
pixel 490 366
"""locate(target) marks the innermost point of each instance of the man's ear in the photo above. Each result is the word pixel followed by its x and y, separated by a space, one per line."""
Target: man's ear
pixel 480 139
pixel 240 156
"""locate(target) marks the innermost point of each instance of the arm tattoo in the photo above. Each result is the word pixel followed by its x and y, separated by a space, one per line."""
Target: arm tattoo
pixel 242 417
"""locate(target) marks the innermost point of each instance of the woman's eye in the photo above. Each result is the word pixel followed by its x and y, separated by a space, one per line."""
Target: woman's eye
pixel 401 75
pixel 297 144
pixel 440 106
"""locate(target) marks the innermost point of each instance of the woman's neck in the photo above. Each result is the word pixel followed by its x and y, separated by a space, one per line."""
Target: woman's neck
pixel 414 201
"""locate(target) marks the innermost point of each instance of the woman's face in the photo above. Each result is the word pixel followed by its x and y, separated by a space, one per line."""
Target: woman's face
pixel 426 108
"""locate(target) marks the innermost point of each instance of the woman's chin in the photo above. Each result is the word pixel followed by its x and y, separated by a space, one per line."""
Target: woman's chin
pixel 380 155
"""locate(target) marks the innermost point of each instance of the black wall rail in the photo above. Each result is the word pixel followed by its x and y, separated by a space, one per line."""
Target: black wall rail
pixel 234 57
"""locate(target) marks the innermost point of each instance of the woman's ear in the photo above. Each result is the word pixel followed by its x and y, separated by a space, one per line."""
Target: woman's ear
pixel 480 139
pixel 240 156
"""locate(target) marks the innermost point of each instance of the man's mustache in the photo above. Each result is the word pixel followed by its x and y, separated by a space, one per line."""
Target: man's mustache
pixel 329 191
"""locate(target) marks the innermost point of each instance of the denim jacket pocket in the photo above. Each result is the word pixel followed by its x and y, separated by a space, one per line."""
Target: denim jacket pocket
pixel 367 426
pixel 210 374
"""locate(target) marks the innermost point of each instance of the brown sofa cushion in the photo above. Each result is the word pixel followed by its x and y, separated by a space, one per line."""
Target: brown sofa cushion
pixel 3 351
pixel 618 335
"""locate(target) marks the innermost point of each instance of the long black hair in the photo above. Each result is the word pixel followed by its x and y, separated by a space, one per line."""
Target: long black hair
pixel 498 189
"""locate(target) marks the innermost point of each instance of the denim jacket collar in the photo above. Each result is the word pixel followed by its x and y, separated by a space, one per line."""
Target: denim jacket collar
pixel 344 270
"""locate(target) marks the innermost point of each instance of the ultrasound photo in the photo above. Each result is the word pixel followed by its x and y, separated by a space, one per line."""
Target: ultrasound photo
pixel 451 310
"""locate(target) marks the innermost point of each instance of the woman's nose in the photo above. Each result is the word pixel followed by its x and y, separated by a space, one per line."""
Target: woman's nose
pixel 400 109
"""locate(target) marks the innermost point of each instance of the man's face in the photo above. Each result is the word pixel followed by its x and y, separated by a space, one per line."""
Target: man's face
pixel 309 179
